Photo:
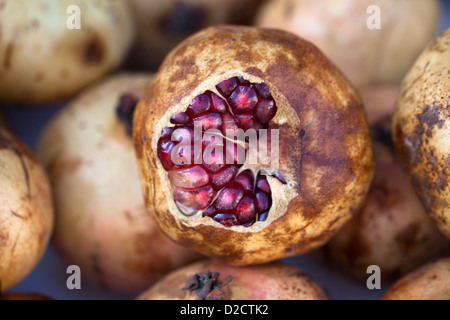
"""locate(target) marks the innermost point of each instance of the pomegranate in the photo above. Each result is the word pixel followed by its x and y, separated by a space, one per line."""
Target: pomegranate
pixel 24 296
pixel 379 101
pixel 392 231
pixel 430 282
pixel 421 128
pixel 348 33
pixel 293 104
pixel 210 280
pixel 26 211
pixel 102 224
pixel 164 24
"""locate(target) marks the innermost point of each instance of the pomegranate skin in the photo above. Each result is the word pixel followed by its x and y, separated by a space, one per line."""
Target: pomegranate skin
pixel 102 224
pixel 429 282
pixel 325 154
pixel 274 281
pixel 26 210
pixel 393 230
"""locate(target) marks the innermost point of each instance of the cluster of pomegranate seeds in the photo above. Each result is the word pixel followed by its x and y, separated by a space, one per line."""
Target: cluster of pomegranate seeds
pixel 212 184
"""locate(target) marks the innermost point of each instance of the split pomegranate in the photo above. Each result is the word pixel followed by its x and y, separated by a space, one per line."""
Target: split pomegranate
pixel 223 190
pixel 251 145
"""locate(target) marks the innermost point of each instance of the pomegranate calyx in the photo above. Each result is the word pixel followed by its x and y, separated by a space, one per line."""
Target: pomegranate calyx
pixel 206 285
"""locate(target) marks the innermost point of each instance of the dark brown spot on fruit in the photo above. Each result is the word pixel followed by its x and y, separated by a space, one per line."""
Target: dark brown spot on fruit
pixel 183 19
pixel 94 51
pixel 125 111
pixel 7 60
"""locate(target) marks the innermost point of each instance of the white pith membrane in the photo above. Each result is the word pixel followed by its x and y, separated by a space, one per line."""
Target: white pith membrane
pixel 281 193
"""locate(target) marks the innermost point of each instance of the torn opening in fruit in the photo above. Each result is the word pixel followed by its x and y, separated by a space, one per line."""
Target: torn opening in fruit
pixel 215 173
pixel 206 285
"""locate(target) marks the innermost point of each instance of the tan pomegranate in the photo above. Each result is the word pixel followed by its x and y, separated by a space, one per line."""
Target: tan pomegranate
pixel 393 230
pixel 42 60
pixel 102 224
pixel 242 211
pixel 209 280
pixel 421 129
pixel 26 212
pixel 430 282
pixel 339 28
pixel 164 24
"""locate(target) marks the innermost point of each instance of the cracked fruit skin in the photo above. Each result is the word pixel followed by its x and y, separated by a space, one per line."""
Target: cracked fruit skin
pixel 273 281
pixel 102 224
pixel 26 211
pixel 421 129
pixel 325 151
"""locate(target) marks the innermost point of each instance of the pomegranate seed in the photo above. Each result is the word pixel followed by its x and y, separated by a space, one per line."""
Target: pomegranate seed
pixel 263 90
pixel 229 123
pixel 248 224
pixel 243 99
pixel 226 87
pixel 180 118
pixel 263 216
pixel 265 111
pixel 200 104
pixel 222 178
pixel 226 219
pixel 166 132
pixel 193 177
pixel 279 177
pixel 262 184
pixel 228 199
pixel 245 121
pixel 183 134
pixel 262 201
pixel 242 80
pixel 246 210
pixel 197 199
pixel 210 212
pixel 209 121
pixel 245 180
pixel 219 105
pixel 213 161
pixel 165 148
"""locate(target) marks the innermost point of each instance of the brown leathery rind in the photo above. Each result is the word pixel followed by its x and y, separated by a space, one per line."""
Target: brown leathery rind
pixel 325 148
pixel 273 281
pixel 26 211
pixel 421 129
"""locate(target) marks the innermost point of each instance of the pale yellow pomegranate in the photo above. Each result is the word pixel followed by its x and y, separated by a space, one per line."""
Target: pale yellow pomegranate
pixel 339 29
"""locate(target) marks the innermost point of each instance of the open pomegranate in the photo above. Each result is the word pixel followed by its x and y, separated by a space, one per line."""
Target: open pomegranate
pixel 252 146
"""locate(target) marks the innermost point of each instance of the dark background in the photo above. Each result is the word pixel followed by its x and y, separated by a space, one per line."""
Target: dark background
pixel 50 276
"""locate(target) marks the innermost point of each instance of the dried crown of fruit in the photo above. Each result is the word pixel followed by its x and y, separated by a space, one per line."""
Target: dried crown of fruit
pixel 216 182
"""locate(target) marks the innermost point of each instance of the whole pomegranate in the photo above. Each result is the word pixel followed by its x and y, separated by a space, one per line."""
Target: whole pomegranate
pixel 210 280
pixel 164 24
pixel 46 56
pixel 341 30
pixel 102 224
pixel 422 129
pixel 430 282
pixel 26 212
pixel 392 230
pixel 208 182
